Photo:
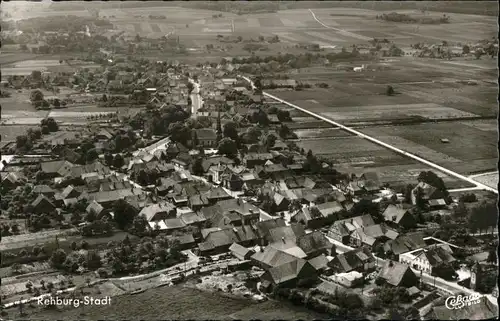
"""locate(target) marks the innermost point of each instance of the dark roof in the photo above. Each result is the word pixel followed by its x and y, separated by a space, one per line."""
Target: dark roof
pixel 290 233
pixel 151 210
pixel 206 133
pixel 264 227
pixel 319 262
pixel 313 242
pixel 287 271
pixel 239 251
pixel 41 199
pixel 405 243
pixel 437 255
pixel 174 223
pixel 351 260
pixel 273 257
pixel 393 272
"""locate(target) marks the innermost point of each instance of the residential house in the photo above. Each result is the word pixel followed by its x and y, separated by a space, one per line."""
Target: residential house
pixel 240 252
pixel 234 212
pixel 42 205
pixel 272 256
pixel 326 211
pixel 60 168
pixel 289 274
pixel 231 181
pixel 264 227
pixel 205 137
pixel 11 180
pixel 219 241
pixel 314 244
pixel 158 212
pixel 320 263
pixel 185 241
pixel 96 208
pixel 360 259
pixel 427 193
pixel 398 274
pixel 290 233
pixel 396 216
pixel 372 235
pixel 428 258
pixel 251 181
pixel 173 224
pixel 107 199
pixel 341 230
pixel 404 243
pixel 193 219
pixel 348 279
pixel 254 159
pixel 217 194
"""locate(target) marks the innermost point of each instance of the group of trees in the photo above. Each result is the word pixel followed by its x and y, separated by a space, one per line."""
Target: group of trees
pixel 25 142
pixel 399 17
pixel 146 256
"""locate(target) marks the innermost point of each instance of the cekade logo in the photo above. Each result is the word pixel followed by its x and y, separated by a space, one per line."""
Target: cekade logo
pixel 458 302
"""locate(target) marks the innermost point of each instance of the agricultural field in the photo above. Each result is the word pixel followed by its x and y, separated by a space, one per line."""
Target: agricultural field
pixel 469 149
pixel 177 302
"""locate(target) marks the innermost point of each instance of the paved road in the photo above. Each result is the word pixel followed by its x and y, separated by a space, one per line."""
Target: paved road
pixel 379 142
pixel 341 31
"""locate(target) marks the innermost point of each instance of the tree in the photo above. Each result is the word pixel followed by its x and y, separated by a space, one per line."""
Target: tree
pixel 197 168
pixel 270 141
pixel 45 130
pixel 93 260
pixel 389 91
pixel 478 53
pixel 139 225
pixel 91 155
pixel 22 141
pixel 228 147
pixel 57 259
pixel 124 214
pixel 333 250
pixel 492 256
pixel 253 134
pixel 57 103
pixel 465 50
pixel 50 123
pixel 108 159
pixel 118 161
pixel 16 268
pixel 284 115
pixel 179 133
pixel 230 130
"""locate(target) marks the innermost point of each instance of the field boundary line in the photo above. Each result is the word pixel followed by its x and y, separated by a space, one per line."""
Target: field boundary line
pixel 379 142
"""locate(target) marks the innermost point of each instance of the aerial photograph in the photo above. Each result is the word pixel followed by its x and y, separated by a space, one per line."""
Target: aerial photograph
pixel 249 160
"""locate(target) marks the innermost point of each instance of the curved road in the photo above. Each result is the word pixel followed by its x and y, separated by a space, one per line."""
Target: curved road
pixel 341 31
pixel 379 142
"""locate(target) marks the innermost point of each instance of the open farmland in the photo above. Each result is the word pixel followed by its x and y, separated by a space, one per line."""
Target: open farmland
pixel 178 302
pixel 469 149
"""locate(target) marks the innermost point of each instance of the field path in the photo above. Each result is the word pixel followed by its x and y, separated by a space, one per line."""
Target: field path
pixel 379 142
pixel 341 31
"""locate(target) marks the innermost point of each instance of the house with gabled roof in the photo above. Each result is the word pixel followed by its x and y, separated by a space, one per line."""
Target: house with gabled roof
pixel 341 230
pixel 60 168
pixel 289 274
pixel 314 244
pixel 372 235
pixel 396 216
pixel 43 205
pixel 405 243
pixel 428 193
pixel 11 180
pixel 360 260
pixel 398 274
pixel 233 212
pixel 327 214
pixel 159 211
pixel 427 259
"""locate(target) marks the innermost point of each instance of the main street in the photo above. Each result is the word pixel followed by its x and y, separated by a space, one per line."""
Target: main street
pixel 378 142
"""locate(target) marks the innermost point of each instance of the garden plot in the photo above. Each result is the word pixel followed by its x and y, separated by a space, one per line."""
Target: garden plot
pixel 324 36
pixel 484 125
pixel 490 180
pixel 321 133
pixel 339 145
